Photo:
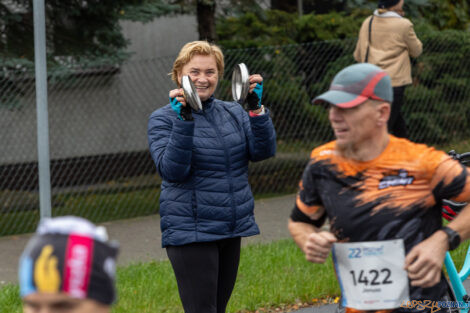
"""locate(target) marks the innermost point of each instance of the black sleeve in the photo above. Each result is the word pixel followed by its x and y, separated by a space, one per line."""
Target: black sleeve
pixel 298 216
pixel 308 193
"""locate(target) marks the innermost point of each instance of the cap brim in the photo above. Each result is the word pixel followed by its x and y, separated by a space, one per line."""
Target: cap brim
pixel 340 99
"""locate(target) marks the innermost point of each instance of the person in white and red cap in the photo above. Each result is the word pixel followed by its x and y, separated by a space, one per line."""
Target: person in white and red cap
pixel 68 266
pixel 383 197
pixel 387 39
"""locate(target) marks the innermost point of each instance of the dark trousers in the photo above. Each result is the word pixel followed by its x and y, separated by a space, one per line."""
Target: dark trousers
pixel 205 273
pixel 396 123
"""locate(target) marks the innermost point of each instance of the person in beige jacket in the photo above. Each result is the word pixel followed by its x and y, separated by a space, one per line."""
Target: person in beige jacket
pixel 388 41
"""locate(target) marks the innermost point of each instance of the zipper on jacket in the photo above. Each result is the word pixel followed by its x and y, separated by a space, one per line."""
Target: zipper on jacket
pixel 228 168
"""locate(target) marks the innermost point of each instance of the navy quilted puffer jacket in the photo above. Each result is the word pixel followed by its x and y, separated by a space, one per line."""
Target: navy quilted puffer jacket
pixel 205 194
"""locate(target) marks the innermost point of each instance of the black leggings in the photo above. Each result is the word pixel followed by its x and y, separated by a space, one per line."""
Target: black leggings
pixel 205 273
pixel 396 122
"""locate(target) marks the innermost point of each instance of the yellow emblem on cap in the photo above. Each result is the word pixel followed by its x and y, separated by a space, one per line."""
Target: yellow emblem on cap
pixel 46 273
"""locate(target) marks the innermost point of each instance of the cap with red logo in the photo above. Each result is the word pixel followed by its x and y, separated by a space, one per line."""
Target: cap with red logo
pixel 71 255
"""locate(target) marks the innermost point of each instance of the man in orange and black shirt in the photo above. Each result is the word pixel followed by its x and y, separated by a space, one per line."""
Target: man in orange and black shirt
pixel 373 186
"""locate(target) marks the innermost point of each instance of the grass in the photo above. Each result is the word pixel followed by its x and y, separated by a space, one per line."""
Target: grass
pixel 10 299
pixel 277 274
pixel 270 275
pixel 460 146
pixel 459 254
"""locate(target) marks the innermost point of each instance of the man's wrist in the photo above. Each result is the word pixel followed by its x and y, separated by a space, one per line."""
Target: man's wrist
pixel 453 237
pixel 441 236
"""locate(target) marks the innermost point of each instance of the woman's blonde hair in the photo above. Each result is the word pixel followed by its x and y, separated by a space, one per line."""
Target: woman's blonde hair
pixel 193 48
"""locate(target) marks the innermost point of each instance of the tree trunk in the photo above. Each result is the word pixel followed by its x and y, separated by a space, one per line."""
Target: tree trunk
pixel 284 5
pixel 206 20
pixel 324 6
pixel 319 6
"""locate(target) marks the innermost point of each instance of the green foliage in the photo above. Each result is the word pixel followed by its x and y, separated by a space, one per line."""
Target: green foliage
pixel 276 27
pixel 334 25
pixel 437 106
pixel 448 14
pixel 12 73
pixel 294 73
pixel 442 14
pixel 273 27
pixel 79 33
pixel 288 72
pixel 250 30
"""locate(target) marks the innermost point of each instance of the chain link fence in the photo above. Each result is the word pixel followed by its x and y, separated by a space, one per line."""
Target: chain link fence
pixel 100 165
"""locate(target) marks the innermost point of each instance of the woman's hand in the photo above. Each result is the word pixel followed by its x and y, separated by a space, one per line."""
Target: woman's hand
pixel 255 79
pixel 179 105
pixel 255 94
pixel 179 95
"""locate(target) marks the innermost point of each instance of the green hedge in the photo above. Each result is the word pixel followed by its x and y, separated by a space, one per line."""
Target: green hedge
pixel 437 105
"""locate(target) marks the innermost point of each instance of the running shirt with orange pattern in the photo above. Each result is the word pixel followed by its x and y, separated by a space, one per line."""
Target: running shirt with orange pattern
pixel 396 195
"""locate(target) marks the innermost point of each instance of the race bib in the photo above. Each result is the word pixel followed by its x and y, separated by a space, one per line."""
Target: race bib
pixel 371 274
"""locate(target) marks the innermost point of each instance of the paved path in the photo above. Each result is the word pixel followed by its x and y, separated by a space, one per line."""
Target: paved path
pixel 140 238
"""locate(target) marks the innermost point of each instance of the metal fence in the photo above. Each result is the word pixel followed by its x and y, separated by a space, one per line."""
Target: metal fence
pixel 100 165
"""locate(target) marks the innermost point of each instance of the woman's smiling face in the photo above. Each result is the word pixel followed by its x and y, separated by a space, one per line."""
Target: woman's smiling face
pixel 202 69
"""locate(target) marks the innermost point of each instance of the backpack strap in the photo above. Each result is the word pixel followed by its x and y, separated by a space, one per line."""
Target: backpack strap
pixel 370 40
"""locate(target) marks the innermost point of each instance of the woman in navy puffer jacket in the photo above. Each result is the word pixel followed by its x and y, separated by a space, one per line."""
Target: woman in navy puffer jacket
pixel 206 204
